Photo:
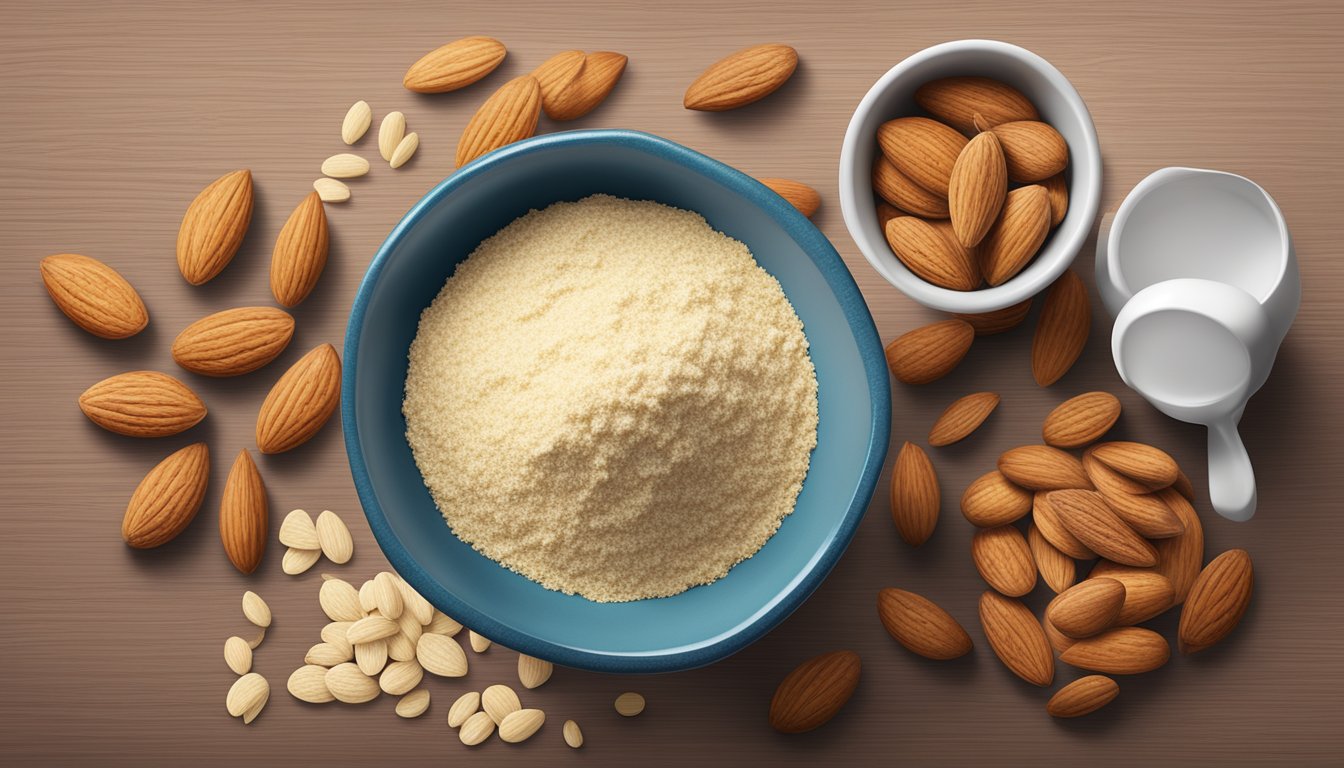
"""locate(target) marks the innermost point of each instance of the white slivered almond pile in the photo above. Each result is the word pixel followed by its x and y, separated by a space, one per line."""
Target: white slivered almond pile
pixel 250 691
pixel 394 144
pixel 307 541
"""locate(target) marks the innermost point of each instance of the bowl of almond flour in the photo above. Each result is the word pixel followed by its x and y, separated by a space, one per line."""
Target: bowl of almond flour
pixel 612 403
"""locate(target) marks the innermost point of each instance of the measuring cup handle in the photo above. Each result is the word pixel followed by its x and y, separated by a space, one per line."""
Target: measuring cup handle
pixel 1231 478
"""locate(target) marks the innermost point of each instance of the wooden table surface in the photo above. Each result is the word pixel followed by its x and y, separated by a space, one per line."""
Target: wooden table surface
pixel 115 116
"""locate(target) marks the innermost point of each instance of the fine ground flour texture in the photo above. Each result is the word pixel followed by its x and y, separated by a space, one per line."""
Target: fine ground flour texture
pixel 612 399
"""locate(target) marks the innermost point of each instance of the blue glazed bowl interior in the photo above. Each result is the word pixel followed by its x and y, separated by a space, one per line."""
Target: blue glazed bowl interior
pixel 703 624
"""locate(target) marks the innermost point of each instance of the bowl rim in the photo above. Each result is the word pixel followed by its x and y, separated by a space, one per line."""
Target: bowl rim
pixel 1066 242
pixel 853 307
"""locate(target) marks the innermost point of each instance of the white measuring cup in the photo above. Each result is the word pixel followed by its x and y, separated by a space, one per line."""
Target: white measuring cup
pixel 1199 269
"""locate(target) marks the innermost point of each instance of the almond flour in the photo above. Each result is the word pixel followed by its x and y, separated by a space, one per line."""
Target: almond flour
pixel 613 399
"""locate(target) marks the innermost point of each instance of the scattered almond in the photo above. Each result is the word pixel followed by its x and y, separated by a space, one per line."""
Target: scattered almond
pixel 998 321
pixel 1217 601
pixel 1081 420
pixel 811 694
pixel 345 166
pixel 915 499
pixel 519 726
pixel 300 402
pixel 597 77
pixel 509 115
pixel 1061 329
pixel 533 672
pixel 1147 592
pixel 405 149
pixel 238 655
pixel 806 199
pixel 297 531
pixel 386 592
pixel 1146 513
pixel 1083 696
pixel 499 701
pixel 357 122
pixel 1017 234
pixel 977 188
pixel 464 707
pixel 441 655
pixel 555 75
pixel 371 657
pixel 1042 468
pixel 741 78
pixel 573 735
pixel 93 295
pixel 1123 651
pixel 455 65
pixel 1033 150
pixel 956 101
pixel 331 190
pixel 214 226
pixel 1052 528
pixel 340 601
pixel 1088 517
pixel 1151 467
pixel 168 498
pixel 334 538
pixel 350 685
pixel 247 696
pixel 1017 638
pixel 1088 608
pixel 142 404
pixel 413 704
pixel 1004 560
pixel 962 417
pixel 370 628
pixel 921 625
pixel 1058 189
pixel 902 192
pixel 390 133
pixel 930 352
pixel 243 516
pixel 476 729
pixel 256 610
pixel 233 342
pixel 479 643
pixel 309 683
pixel 300 252
pixel 1179 558
pixel 992 500
pixel 401 677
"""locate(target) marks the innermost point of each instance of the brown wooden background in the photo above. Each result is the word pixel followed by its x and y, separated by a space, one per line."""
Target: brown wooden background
pixel 115 116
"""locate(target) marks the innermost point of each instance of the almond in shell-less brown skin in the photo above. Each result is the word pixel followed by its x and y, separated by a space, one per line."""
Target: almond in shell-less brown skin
pixel 1144 512
pixel 93 295
pixel 924 150
pixel 590 87
pixel 1088 517
pixel 977 188
pixel 992 500
pixel 1217 601
pixel 915 498
pixel 214 226
pixel 1042 468
pixel 885 213
pixel 815 692
pixel 1180 557
pixel 1058 640
pixel 167 499
pixel 233 342
pixel 741 78
pixel 1151 467
pixel 806 199
pixel 1004 561
pixel 921 625
pixel 244 515
pixel 142 404
pixel 930 352
pixel 1088 608
pixel 1057 569
pixel 1017 638
pixel 1081 420
pixel 1058 189
pixel 510 114
pixel 455 65
pixel 1147 592
pixel 931 255
pixel 902 192
pixel 1061 329
pixel 1122 651
pixel 962 417
pixel 300 402
pixel 555 75
pixel 1083 696
pixel 957 100
pixel 1032 150
pixel 1045 518
pixel 999 320
pixel 1016 235
pixel 300 252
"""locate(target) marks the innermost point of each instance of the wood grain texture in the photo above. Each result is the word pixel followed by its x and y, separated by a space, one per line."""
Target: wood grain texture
pixel 117 114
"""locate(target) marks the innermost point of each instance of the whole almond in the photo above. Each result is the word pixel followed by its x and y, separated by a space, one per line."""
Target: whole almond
pixel 1061 329
pixel 167 499
pixel 331 190
pixel 1088 608
pixel 1151 467
pixel 371 657
pixel 404 149
pixel 923 149
pixel 309 683
pixel 248 694
pixel 441 655
pixel 455 65
pixel 213 227
pixel 1081 420
pixel 243 515
pixel 413 704
pixel 956 101
pixel 1033 150
pixel 300 252
pixel 1217 601
pixel 1058 640
pixel 256 610
pixel 334 537
pixel 479 643
pixel 476 729
pixel 390 133
pixel 998 321
pixel 1017 638
pixel 1047 520
pixel 1042 468
pixel 345 166
pixel 350 685
pixel 300 402
pixel 357 121
pixel 992 500
pixel 930 352
pixel 1058 189
pixel 297 530
pixel 806 199
pixel 509 115
pixel 1057 569
pixel 387 595
pixel 499 701
pixel 921 625
pixel 1004 560
pixel 1083 696
pixel 886 212
pixel 814 692
pixel 297 561
pixel 340 601
pixel 555 75
pixel 233 342
pixel 1123 651
pixel 595 80
pixel 93 295
pixel 922 248
pixel 573 734
pixel 533 672
pixel 915 498
pixel 400 677
pixel 1146 513
pixel 962 417
pixel 1179 558
pixel 1017 234
pixel 1147 592
pixel 370 628
pixel 464 707
pixel 519 726
pixel 142 404
pixel 977 188
pixel 1087 516
pixel 741 78
pixel 902 192
pixel 1103 477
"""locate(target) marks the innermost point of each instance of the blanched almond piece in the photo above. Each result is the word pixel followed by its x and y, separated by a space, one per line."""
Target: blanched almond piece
pixel 370 628
pixel 297 531
pixel 1018 233
pixel 476 729
pixel 238 655
pixel 519 726
pixel 499 701
pixel 256 610
pixel 331 190
pixel 309 683
pixel 533 672
pixel 387 595
pixel 390 133
pixel 443 624
pixel 340 600
pixel 334 537
pixel 400 677
pixel 371 657
pixel 329 654
pixel 349 685
pixel 248 693
pixel 479 643
pixel 466 705
pixel 357 122
pixel 976 190
pixel 573 734
pixel 345 166
pixel 297 561
pixel 413 704
pixel 441 655
pixel 405 148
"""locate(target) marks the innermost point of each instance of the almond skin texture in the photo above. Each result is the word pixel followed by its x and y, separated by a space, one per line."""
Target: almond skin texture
pixel 233 342
pixel 1088 608
pixel 930 352
pixel 214 226
pixel 1017 638
pixel 900 191
pixel 1144 512
pixel 1103 477
pixel 956 101
pixel 1058 640
pixel 1081 420
pixel 1151 467
pixel 915 498
pixel 1087 516
pixel 1083 696
pixel 977 188
pixel 455 65
pixel 741 78
pixel 886 212
pixel 1123 651
pixel 1058 189
pixel 600 72
pixel 814 692
pixel 93 295
pixel 1217 601
pixel 921 626
pixel 1042 468
pixel 1057 569
pixel 1004 561
pixel 555 75
pixel 1061 330
pixel 509 115
pixel 998 321
pixel 1179 558
pixel 300 252
pixel 1017 234
pixel 962 417
pixel 1032 150
pixel 300 402
pixel 924 150
pixel 142 404
pixel 1051 526
pixel 992 500
pixel 243 515
pixel 1147 592
pixel 921 247
pixel 806 199
pixel 167 499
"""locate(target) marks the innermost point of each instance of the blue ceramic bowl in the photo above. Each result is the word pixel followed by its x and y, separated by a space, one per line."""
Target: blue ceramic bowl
pixel 701 625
